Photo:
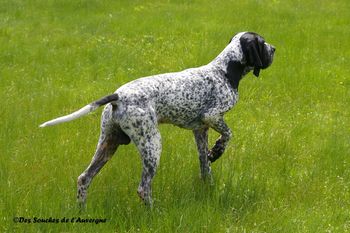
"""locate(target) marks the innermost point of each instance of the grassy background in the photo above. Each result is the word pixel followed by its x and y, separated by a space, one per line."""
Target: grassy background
pixel 286 170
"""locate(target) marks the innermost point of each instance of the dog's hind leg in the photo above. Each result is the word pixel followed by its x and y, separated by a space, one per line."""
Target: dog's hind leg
pixel 150 151
pixel 110 138
pixel 104 152
pixel 201 137
pixel 141 126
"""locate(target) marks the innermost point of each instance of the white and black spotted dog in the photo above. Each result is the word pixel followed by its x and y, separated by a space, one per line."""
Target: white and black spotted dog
pixel 194 99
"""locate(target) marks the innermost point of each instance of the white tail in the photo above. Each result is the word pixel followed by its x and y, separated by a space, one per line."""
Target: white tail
pixel 83 111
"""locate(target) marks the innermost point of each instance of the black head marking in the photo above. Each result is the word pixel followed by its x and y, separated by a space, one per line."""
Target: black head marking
pixel 254 50
pixel 234 73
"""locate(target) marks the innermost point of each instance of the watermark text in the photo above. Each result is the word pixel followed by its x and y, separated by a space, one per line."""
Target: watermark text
pixel 53 220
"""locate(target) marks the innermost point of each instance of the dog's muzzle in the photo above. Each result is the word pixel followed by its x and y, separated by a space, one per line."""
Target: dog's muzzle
pixel 271 52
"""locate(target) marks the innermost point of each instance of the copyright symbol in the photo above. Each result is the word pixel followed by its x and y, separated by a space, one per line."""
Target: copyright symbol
pixel 16 219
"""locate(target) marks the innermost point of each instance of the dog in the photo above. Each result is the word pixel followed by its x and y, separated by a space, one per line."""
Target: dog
pixel 194 99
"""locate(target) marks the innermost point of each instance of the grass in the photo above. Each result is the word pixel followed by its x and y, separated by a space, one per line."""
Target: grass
pixel 286 170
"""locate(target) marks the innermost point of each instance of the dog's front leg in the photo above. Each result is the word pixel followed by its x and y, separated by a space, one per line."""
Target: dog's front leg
pixel 219 125
pixel 201 137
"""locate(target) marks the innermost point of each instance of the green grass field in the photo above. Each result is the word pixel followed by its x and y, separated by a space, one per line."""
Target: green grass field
pixel 287 168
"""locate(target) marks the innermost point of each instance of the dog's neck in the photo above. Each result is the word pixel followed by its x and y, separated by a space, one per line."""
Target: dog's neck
pixel 229 63
pixel 234 73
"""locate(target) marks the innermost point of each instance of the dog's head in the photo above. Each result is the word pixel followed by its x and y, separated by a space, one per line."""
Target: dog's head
pixel 257 53
pixel 246 51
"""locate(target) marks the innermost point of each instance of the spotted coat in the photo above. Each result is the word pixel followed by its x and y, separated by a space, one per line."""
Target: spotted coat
pixel 194 99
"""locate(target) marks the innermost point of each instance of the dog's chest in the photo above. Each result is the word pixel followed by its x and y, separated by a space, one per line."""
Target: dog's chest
pixel 186 102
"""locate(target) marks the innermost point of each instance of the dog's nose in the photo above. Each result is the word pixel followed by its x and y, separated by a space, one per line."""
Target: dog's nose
pixel 273 48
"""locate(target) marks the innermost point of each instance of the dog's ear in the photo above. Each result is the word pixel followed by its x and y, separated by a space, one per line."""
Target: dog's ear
pixel 253 47
pixel 254 57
